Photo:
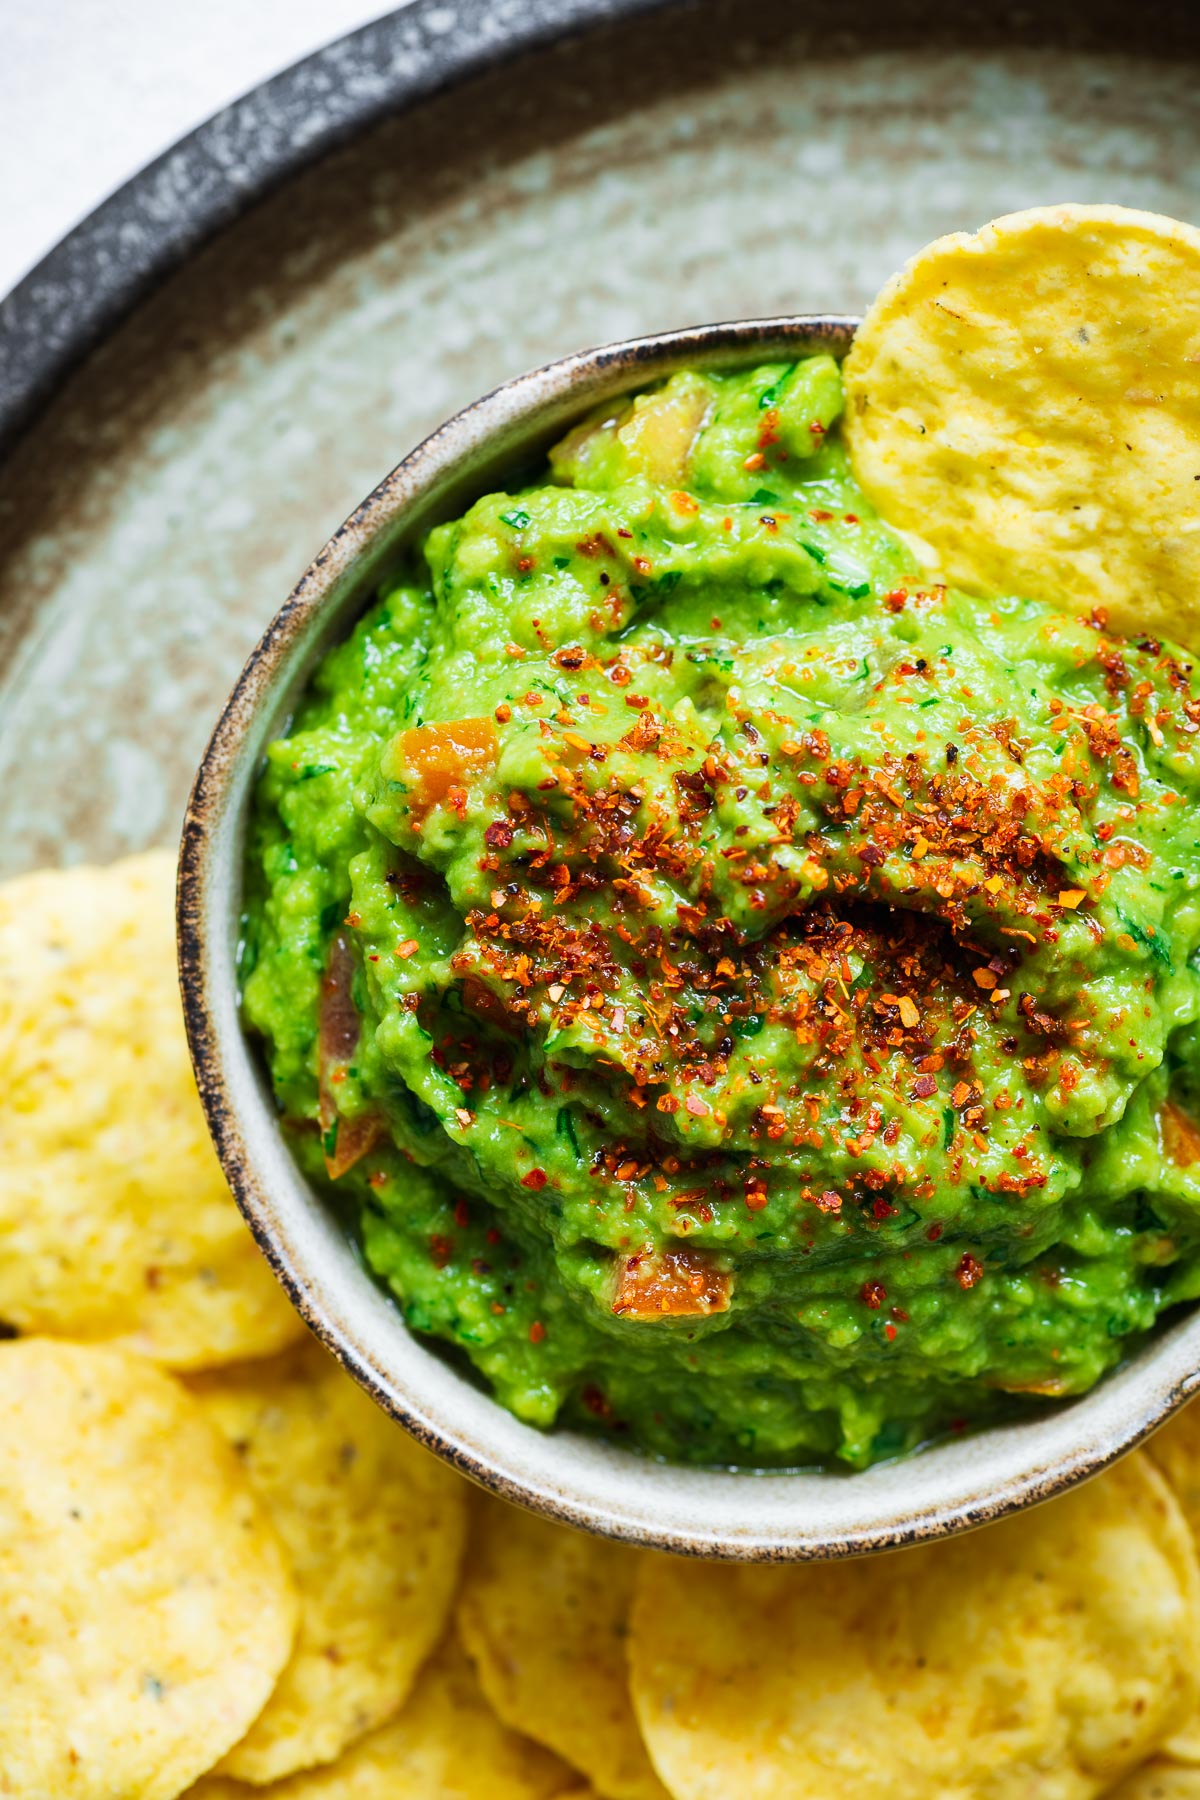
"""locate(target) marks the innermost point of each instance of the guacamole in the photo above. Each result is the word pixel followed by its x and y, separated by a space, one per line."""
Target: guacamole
pixel 742 995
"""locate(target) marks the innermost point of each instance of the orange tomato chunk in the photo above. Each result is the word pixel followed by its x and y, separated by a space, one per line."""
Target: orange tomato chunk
pixel 1180 1136
pixel 338 1030
pixel 435 758
pixel 671 1284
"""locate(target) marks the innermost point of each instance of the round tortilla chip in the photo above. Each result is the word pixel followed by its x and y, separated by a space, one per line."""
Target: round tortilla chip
pixel 116 1223
pixel 447 1744
pixel 544 1612
pixel 1047 1654
pixel 1176 1450
pixel 147 1603
pixel 1027 401
pixel 1159 1780
pixel 374 1527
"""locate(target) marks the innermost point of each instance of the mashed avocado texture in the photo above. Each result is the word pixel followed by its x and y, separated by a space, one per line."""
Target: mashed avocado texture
pixel 743 996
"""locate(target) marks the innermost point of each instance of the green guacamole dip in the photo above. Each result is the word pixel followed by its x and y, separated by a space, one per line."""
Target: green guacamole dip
pixel 735 988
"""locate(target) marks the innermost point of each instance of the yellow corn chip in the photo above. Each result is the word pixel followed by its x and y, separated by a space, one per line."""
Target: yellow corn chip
pixel 1046 1655
pixel 447 1744
pixel 1027 402
pixel 544 1613
pixel 1159 1780
pixel 147 1604
pixel 115 1221
pixel 374 1529
pixel 1176 1450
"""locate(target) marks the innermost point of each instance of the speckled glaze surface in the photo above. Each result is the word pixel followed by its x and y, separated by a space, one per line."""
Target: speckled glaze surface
pixel 680 167
pixel 666 165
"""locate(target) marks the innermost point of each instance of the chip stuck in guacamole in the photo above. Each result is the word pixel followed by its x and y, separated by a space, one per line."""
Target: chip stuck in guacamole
pixel 739 989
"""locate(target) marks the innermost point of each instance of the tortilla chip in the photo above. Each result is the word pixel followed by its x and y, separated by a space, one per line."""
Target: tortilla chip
pixel 115 1220
pixel 374 1527
pixel 1027 401
pixel 147 1604
pixel 447 1744
pixel 1176 1450
pixel 1048 1654
pixel 544 1613
pixel 1159 1780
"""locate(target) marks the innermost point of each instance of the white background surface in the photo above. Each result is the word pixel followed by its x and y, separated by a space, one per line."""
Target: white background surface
pixel 92 89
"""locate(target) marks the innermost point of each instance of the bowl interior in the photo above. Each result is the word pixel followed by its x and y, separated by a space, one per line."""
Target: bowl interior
pixel 597 1485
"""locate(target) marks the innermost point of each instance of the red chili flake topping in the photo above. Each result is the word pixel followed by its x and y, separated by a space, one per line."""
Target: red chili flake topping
pixel 769 433
pixel 675 1282
pixel 499 835
pixel 873 1294
pixel 441 1249
pixel 462 1214
pixel 756 1193
pixel 537 1332
pixel 968 1271
pixel 408 948
pixel 535 1179
pixel 924 1087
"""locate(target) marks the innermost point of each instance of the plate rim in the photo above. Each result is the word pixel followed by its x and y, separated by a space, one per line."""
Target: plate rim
pixel 134 239
pixel 129 244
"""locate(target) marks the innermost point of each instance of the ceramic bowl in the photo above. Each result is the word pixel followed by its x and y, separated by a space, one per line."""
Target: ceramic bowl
pixel 583 1481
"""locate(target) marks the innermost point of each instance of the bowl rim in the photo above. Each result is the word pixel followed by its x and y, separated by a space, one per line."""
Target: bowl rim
pixel 734 1515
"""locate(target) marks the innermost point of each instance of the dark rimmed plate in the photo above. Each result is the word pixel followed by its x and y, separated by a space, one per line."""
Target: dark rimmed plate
pixel 266 334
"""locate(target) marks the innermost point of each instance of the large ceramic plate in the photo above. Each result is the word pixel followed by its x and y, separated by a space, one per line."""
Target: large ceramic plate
pixel 667 166
pixel 203 380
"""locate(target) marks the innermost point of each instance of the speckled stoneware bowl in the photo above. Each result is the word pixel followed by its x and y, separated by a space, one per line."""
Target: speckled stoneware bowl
pixel 581 1480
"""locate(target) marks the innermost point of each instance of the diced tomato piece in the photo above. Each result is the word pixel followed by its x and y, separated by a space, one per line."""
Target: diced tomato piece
pixel 1180 1136
pixel 672 1283
pixel 338 1030
pixel 354 1139
pixel 1052 1388
pixel 435 758
pixel 484 1003
pixel 339 1025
